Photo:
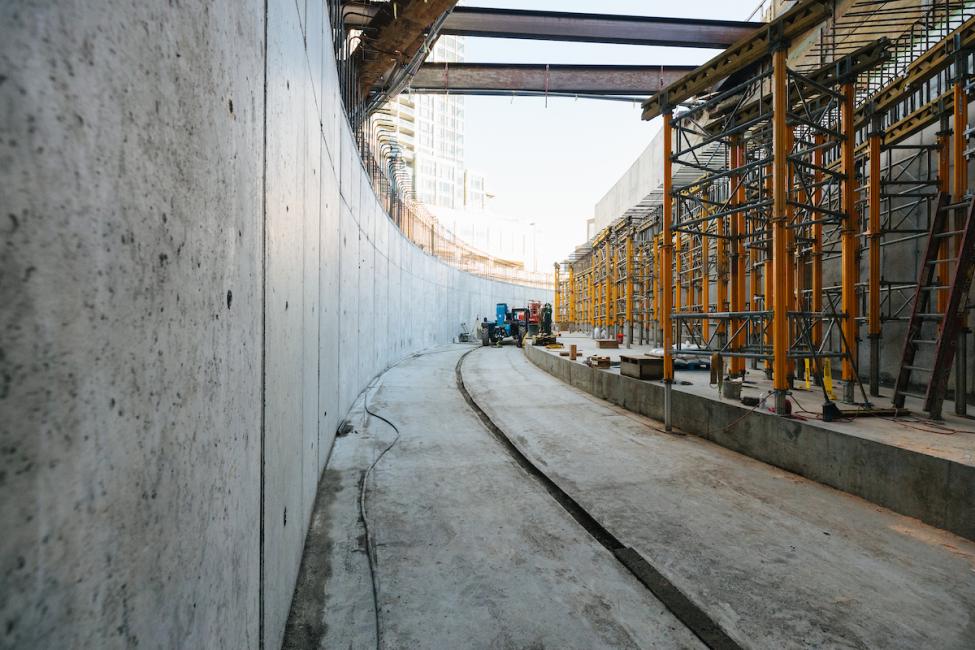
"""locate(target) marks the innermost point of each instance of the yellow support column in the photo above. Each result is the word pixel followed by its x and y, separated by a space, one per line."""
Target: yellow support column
pixel 572 298
pixel 590 308
pixel 629 288
pixel 780 259
pixel 667 270
pixel 705 285
pixel 848 240
pixel 607 288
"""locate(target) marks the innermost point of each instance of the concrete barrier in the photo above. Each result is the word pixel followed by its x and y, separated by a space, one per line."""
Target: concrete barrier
pixel 937 491
pixel 197 280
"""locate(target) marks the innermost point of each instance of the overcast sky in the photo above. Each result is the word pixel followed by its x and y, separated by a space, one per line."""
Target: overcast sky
pixel 551 165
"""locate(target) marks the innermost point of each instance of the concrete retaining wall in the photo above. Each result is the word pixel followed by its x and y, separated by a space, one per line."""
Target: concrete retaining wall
pixel 194 291
pixel 937 491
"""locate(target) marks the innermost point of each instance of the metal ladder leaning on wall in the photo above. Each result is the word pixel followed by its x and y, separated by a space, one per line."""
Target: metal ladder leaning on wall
pixel 923 317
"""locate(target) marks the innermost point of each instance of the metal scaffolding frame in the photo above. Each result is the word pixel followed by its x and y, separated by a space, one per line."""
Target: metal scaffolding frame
pixel 787 189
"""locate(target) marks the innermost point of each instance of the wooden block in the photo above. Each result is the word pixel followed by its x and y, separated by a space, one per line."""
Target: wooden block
pixel 564 354
pixel 607 344
pixel 642 366
pixel 572 352
pixel 598 362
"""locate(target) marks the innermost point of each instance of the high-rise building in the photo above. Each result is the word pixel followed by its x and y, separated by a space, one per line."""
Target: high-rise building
pixel 439 174
pixel 429 130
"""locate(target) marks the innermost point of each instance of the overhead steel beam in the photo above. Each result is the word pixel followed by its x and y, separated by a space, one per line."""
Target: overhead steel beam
pixel 805 15
pixel 486 78
pixel 580 27
pixel 392 37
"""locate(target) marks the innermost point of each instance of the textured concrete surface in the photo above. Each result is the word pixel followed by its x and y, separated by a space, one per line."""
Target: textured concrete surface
pixel 918 473
pixel 471 552
pixel 160 309
pixel 130 280
pixel 779 560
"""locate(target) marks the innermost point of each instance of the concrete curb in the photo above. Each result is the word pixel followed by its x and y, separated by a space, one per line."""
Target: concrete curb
pixel 937 491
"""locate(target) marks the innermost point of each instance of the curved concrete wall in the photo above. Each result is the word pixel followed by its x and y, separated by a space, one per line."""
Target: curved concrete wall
pixel 194 291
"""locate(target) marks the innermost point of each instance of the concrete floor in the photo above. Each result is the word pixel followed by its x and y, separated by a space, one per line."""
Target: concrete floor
pixel 470 551
pixel 778 560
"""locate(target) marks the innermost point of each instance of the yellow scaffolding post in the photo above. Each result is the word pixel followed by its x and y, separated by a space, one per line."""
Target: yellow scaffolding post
pixel 572 294
pixel 780 259
pixel 607 286
pixel 667 270
pixel 591 308
pixel 705 286
pixel 629 288
pixel 848 240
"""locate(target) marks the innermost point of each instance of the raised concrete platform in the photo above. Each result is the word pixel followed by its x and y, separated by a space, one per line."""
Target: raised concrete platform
pixel 912 466
pixel 777 560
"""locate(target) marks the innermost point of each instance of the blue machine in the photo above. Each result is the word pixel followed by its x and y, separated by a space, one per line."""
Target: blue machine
pixel 507 323
pixel 501 314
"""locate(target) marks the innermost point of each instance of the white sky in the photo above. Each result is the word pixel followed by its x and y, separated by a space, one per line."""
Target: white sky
pixel 551 165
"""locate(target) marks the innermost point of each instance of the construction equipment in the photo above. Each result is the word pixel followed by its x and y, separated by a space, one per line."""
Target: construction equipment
pixel 545 336
pixel 507 323
pixel 948 325
pixel 534 316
